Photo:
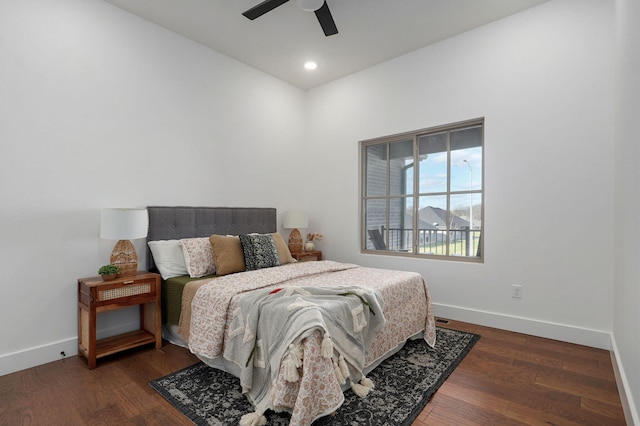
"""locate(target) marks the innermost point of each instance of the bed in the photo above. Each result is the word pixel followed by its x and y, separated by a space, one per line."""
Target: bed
pixel 335 323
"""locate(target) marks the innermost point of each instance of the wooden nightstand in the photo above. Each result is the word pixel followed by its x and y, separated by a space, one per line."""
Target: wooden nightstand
pixel 95 296
pixel 307 256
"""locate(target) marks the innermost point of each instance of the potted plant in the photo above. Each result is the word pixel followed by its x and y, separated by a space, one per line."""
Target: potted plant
pixel 108 272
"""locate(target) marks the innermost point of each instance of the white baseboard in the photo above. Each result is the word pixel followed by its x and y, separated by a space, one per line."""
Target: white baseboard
pixel 566 333
pixel 630 410
pixel 32 357
pixel 16 361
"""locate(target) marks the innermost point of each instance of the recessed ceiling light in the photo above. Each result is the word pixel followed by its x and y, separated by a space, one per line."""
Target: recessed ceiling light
pixel 310 65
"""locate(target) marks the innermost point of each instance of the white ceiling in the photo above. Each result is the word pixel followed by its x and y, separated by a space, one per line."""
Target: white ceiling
pixel 279 42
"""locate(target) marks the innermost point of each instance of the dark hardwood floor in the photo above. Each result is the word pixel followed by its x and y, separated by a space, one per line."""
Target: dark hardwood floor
pixel 506 379
pixel 516 379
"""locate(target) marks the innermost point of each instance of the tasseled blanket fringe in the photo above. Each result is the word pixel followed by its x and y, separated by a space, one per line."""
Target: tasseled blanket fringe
pixel 253 419
pixel 363 388
pixel 327 346
pixel 294 359
pixel 292 362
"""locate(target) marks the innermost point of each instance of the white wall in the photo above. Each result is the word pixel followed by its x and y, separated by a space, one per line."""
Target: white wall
pixel 81 81
pixel 543 80
pixel 101 109
pixel 627 202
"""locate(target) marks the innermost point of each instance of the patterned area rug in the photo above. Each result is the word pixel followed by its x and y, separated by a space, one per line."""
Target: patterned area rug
pixel 404 384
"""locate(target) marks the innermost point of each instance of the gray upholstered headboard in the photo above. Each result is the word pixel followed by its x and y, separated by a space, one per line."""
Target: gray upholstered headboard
pixel 174 223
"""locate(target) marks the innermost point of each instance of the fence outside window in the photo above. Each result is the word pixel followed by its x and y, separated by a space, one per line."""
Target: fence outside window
pixel 423 192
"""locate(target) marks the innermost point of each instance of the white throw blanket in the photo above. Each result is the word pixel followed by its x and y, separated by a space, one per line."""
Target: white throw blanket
pixel 268 327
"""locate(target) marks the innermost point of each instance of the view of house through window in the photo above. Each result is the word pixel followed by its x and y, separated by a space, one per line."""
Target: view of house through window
pixel 422 192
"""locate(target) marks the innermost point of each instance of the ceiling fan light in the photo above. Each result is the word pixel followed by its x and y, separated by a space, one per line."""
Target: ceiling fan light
pixel 310 5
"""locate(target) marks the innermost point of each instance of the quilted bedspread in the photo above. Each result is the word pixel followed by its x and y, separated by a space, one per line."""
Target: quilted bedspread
pixel 206 320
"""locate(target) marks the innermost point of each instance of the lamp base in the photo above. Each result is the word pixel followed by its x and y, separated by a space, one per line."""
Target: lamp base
pixel 295 241
pixel 124 256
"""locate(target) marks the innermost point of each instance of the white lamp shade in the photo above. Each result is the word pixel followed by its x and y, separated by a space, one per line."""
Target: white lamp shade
pixel 310 5
pixel 295 219
pixel 123 224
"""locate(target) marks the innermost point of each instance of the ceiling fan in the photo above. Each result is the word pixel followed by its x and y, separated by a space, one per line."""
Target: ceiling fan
pixel 320 7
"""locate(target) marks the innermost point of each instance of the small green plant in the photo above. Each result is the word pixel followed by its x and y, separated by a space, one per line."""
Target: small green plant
pixel 108 270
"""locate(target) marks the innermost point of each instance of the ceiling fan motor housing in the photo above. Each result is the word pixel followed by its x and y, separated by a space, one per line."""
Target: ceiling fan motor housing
pixel 310 5
pixel 320 7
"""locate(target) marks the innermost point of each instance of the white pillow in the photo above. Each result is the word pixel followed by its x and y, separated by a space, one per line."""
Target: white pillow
pixel 198 256
pixel 168 257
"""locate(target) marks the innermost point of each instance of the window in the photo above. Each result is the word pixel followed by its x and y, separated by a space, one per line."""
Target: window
pixel 422 193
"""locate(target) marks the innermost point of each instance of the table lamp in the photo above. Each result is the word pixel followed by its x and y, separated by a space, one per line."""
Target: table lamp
pixel 294 219
pixel 124 225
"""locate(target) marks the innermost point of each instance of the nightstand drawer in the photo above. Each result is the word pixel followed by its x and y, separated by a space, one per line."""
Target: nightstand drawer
pixel 307 256
pixel 124 290
pixel 121 291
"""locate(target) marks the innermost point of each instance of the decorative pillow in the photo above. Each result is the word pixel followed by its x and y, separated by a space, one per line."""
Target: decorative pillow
pixel 227 254
pixel 283 249
pixel 168 257
pixel 198 256
pixel 259 251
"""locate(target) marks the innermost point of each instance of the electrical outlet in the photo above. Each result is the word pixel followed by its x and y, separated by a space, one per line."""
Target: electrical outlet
pixel 516 291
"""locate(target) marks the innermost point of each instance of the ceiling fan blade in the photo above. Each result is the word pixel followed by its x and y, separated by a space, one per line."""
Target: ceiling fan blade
pixel 262 8
pixel 326 20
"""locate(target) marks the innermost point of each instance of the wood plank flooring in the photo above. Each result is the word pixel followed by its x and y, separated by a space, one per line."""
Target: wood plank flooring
pixel 516 379
pixel 506 379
